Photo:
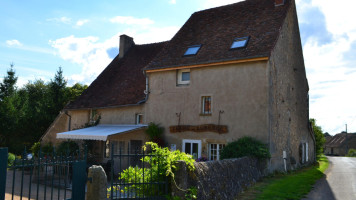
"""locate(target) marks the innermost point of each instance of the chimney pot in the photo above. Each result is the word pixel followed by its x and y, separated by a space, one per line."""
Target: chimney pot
pixel 278 2
pixel 125 43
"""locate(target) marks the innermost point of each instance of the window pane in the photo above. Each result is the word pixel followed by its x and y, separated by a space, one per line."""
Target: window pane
pixel 195 150
pixel 187 148
pixel 206 105
pixel 237 44
pixel 185 76
pixel 192 50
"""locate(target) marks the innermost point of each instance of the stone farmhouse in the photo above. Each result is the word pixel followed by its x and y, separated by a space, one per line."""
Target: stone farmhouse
pixel 340 144
pixel 231 71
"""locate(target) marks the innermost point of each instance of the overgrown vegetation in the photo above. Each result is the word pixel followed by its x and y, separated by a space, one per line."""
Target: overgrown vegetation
pixel 319 137
pixel 10 159
pixel 155 132
pixel 245 146
pixel 27 112
pixel 162 163
pixel 293 185
pixel 351 153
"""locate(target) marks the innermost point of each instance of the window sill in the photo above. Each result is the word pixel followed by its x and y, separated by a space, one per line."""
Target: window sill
pixel 208 114
pixel 182 84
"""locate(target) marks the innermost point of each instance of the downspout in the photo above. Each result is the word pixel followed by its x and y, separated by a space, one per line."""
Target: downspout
pixel 70 120
pixel 146 90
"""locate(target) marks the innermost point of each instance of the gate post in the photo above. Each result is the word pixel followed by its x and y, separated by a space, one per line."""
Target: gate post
pixel 3 172
pixel 79 179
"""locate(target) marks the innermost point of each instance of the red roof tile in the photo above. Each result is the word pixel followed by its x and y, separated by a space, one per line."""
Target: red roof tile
pixel 216 28
pixel 122 82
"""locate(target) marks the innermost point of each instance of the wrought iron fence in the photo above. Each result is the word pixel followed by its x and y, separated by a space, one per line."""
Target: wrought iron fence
pixel 136 175
pixel 44 176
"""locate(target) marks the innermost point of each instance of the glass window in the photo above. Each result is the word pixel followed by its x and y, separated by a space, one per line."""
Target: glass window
pixel 215 151
pixel 239 43
pixel 192 50
pixel 183 77
pixel 206 105
pixel 192 147
pixel 139 118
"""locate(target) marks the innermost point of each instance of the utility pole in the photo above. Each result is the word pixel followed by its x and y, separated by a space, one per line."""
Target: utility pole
pixel 347 142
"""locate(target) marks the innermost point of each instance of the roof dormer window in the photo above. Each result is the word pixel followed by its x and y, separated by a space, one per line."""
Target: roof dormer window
pixel 192 50
pixel 239 42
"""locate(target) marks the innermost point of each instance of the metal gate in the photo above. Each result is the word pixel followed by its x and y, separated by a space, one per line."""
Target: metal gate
pixel 43 176
pixel 133 176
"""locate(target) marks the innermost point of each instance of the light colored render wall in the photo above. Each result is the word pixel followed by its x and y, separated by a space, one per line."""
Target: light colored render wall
pixel 239 90
pixel 288 99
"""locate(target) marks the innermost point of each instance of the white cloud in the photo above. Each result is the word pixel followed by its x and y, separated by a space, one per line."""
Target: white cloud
pixel 82 22
pixel 172 1
pixel 131 20
pixel 328 64
pixel 65 20
pixel 13 43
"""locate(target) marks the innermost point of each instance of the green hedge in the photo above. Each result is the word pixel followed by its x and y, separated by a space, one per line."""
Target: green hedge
pixel 245 146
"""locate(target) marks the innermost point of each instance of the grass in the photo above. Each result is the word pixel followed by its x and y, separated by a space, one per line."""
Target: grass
pixel 293 185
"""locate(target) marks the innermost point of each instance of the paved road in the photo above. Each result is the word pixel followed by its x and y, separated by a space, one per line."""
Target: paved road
pixel 339 183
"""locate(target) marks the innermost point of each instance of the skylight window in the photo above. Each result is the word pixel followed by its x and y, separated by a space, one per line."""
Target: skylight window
pixel 240 42
pixel 192 50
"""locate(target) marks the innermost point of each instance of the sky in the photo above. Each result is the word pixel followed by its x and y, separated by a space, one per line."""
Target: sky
pixel 82 37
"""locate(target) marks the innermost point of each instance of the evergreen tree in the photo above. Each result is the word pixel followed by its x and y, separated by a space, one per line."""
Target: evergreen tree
pixel 7 87
pixel 58 92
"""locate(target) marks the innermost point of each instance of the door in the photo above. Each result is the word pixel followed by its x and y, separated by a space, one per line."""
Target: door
pixel 135 148
pixel 192 147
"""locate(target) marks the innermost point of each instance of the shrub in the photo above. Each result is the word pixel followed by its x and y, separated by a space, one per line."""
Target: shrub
pixel 67 147
pixel 245 146
pixel 155 132
pixel 351 153
pixel 46 149
pixel 11 159
pixel 162 162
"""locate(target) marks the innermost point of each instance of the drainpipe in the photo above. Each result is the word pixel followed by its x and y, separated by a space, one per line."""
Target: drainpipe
pixel 146 91
pixel 70 119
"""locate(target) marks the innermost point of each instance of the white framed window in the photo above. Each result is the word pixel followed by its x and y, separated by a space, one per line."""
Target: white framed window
pixel 192 147
pixel 183 76
pixel 215 151
pixel 206 105
pixel 139 118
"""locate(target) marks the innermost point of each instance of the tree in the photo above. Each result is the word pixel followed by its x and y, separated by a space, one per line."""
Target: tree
pixel 76 90
pixel 319 137
pixel 57 90
pixel 7 87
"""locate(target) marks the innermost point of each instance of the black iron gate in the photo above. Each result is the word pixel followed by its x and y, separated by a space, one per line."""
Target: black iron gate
pixel 43 176
pixel 136 175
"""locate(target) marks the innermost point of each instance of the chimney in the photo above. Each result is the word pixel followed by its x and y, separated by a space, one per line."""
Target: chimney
pixel 125 43
pixel 278 2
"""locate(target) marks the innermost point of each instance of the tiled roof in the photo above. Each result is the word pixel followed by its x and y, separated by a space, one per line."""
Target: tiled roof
pixel 122 82
pixel 216 28
pixel 339 140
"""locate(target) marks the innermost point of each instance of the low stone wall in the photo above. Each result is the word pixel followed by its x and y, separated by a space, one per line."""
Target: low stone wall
pixel 223 179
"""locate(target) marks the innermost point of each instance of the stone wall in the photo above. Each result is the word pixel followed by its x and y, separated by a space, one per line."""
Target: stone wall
pixel 223 179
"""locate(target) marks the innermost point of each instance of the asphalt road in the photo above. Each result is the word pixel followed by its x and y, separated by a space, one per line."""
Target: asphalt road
pixel 339 183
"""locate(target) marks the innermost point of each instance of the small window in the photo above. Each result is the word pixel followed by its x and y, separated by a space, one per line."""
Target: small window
pixel 192 50
pixel 183 77
pixel 215 151
pixel 192 147
pixel 139 118
pixel 206 105
pixel 239 43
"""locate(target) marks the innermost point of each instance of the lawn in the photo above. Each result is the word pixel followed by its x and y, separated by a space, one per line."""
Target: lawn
pixel 293 185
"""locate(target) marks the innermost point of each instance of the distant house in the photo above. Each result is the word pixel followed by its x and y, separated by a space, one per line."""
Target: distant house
pixel 229 72
pixel 340 144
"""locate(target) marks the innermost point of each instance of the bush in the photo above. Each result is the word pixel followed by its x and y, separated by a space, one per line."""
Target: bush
pixel 245 146
pixel 46 149
pixel 11 159
pixel 351 153
pixel 155 132
pixel 67 147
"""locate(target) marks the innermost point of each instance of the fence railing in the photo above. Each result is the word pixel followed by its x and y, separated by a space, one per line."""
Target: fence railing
pixel 137 175
pixel 42 176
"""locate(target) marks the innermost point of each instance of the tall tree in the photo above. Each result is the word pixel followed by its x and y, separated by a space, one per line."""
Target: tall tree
pixel 7 87
pixel 58 92
pixel 319 137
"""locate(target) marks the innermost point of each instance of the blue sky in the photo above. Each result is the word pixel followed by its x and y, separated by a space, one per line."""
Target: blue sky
pixel 83 36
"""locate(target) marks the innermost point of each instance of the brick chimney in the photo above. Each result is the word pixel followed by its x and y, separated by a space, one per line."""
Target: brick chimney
pixel 125 43
pixel 278 2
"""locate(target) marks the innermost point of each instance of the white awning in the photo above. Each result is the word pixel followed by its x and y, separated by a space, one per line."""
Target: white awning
pixel 99 132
